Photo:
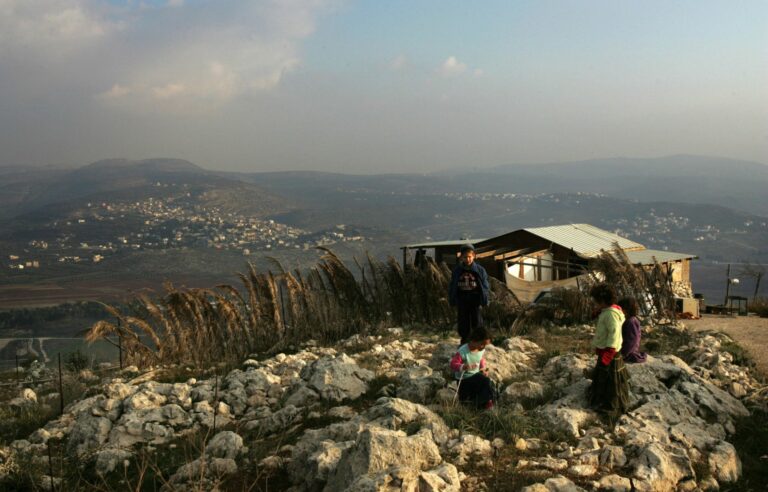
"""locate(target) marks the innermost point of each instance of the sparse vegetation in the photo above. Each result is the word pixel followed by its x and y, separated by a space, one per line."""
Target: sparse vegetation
pixel 759 306
pixel 273 311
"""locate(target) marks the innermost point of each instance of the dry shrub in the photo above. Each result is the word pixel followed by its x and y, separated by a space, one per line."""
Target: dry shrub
pixel 650 285
pixel 759 306
pixel 272 311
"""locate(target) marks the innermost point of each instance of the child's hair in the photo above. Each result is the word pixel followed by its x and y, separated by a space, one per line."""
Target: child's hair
pixel 629 306
pixel 603 293
pixel 479 334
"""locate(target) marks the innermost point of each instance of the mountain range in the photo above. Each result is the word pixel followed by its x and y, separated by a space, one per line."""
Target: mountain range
pixel 713 207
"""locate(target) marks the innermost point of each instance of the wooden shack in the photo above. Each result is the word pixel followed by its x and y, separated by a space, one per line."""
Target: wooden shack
pixel 534 259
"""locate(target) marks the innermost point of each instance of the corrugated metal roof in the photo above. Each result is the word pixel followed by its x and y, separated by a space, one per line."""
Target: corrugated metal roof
pixel 646 256
pixel 586 240
pixel 437 244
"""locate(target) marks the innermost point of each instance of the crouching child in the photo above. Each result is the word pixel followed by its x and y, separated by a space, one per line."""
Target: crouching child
pixel 471 371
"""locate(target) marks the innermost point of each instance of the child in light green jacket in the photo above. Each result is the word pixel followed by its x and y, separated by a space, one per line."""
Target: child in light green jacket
pixel 609 391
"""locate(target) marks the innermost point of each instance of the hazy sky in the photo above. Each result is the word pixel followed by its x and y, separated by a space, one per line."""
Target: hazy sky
pixel 380 86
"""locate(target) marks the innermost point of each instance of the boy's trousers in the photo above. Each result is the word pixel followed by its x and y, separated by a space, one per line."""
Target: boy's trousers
pixel 469 318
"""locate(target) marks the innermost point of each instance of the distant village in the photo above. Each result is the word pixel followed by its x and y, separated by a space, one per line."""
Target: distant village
pixel 180 222
pixel 162 223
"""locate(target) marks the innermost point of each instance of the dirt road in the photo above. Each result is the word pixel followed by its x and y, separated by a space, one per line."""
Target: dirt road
pixel 750 332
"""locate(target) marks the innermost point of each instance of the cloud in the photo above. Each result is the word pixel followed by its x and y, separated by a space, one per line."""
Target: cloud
pixel 50 24
pixel 400 62
pixel 117 91
pixel 452 67
pixel 140 55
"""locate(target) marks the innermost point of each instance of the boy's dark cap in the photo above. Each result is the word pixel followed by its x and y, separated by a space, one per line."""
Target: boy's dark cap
pixel 466 248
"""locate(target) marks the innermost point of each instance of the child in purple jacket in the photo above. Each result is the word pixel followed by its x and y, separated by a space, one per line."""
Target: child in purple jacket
pixel 630 332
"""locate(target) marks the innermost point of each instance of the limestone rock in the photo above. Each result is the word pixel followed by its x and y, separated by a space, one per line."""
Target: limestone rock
pixel 302 396
pixel 555 484
pixel 337 378
pixel 444 478
pixel 377 449
pixel 398 414
pixel 564 370
pixel 612 457
pixel 468 447
pixel 724 463
pixel 662 468
pixel 419 384
pixel 523 390
pixel 226 444
pixel 614 483
pixel 108 460
pixel 276 422
pixel 571 412
pixel 504 364
pixel 88 434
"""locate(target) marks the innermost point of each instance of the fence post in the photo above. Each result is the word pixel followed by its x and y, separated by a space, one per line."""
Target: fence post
pixel 215 399
pixel 120 349
pixel 50 466
pixel 61 388
pixel 18 378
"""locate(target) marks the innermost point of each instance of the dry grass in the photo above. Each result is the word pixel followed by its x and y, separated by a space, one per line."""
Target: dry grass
pixel 274 310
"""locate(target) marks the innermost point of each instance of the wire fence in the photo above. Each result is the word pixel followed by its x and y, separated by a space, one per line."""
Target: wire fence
pixel 99 357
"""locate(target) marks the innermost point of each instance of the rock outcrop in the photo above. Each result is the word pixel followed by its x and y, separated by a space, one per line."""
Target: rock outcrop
pixel 345 438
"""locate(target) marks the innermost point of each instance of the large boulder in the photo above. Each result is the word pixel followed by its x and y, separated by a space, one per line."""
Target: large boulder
pixel 503 364
pixel 399 414
pixel 565 370
pixel 377 449
pixel 337 379
pixel 419 384
pixel 226 444
pixel 88 434
pixel 662 466
pixel 724 463
pixel 571 412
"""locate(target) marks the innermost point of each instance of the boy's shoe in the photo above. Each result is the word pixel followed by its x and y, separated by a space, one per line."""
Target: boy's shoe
pixel 489 405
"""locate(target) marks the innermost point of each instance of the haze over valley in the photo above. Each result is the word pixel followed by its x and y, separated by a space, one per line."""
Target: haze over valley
pixel 115 224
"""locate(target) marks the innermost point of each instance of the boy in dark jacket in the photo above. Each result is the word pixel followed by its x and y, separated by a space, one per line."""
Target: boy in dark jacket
pixel 468 292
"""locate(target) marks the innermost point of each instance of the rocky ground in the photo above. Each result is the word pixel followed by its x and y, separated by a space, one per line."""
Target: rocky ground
pixel 750 332
pixel 378 413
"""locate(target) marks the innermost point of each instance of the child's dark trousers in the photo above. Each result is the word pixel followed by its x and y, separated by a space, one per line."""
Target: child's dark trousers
pixel 476 389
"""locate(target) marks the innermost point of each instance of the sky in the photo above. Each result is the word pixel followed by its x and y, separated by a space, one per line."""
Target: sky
pixel 380 86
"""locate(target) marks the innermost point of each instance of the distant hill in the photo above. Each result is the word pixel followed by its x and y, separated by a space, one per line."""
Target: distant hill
pixel 36 193
pixel 681 178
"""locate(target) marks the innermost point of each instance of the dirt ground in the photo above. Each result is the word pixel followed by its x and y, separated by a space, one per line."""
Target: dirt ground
pixel 750 332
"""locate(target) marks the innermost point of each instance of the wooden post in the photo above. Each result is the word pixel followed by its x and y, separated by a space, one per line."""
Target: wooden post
pixel 215 400
pixel 120 349
pixel 405 257
pixel 50 465
pixel 18 378
pixel 61 389
pixel 119 343
pixel 727 284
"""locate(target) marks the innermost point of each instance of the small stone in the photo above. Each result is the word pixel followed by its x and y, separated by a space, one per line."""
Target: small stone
pixel 615 483
pixel 582 470
pixel 687 485
pixel 709 484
